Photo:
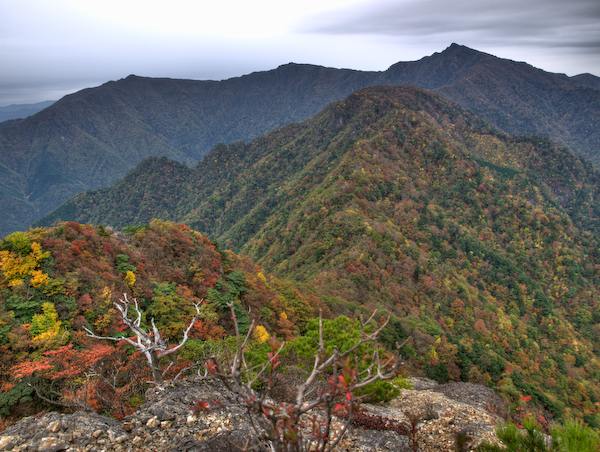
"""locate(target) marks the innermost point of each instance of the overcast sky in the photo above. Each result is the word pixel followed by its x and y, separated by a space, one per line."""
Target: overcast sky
pixel 49 48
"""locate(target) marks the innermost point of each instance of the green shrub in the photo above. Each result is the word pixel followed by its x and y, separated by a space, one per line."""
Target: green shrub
pixel 573 436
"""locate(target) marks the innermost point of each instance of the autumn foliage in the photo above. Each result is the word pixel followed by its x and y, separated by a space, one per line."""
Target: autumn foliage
pixel 483 247
pixel 56 281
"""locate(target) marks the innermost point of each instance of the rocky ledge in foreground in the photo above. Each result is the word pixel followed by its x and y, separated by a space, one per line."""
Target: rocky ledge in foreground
pixel 165 423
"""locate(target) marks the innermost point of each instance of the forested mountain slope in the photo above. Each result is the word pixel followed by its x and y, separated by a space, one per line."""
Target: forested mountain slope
pixel 477 242
pixel 54 282
pixel 92 138
pixel 589 80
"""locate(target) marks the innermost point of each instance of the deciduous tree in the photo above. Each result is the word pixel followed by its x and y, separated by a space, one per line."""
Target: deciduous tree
pixel 149 342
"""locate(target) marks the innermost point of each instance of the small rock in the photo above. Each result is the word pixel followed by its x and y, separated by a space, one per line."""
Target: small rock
pixel 51 445
pixel 54 426
pixel 191 420
pixel 8 442
pixel 97 433
pixel 153 422
pixel 121 439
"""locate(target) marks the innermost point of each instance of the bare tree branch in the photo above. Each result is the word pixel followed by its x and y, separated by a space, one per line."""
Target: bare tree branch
pixel 278 418
pixel 151 344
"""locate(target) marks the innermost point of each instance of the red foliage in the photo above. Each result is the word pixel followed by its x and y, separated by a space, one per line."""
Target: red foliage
pixel 84 302
pixel 206 329
pixel 103 377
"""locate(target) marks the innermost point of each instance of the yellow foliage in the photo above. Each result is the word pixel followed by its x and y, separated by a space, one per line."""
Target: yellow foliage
pixel 433 352
pixel 260 334
pixel 16 268
pixel 283 315
pixel 198 273
pixel 263 279
pixel 38 278
pixel 51 339
pixel 36 252
pixel 15 283
pixel 46 330
pixel 104 320
pixel 106 297
pixel 130 278
pixel 46 321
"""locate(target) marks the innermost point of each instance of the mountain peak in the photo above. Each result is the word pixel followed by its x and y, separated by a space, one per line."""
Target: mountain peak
pixel 459 51
pixel 455 47
pixel 437 70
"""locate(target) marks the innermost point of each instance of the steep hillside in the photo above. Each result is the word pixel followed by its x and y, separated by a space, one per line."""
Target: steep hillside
pixel 399 200
pixel 92 138
pixel 54 282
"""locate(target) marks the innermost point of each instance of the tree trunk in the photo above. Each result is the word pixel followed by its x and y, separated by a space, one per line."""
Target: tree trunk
pixel 153 361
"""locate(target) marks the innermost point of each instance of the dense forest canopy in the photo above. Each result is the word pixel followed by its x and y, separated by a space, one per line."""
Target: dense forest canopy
pixel 481 245
pixel 56 281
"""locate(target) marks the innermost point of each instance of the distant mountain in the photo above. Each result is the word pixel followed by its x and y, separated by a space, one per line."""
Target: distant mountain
pixel 394 198
pixel 589 80
pixel 515 97
pixel 92 138
pixel 20 111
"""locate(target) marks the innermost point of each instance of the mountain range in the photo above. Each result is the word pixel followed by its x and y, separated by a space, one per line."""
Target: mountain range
pixel 92 138
pixel 480 244
pixel 483 244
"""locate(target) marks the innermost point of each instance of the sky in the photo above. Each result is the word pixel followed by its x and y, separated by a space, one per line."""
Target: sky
pixel 50 48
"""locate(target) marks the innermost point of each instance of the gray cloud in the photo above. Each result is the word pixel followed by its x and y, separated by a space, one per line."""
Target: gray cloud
pixel 543 23
pixel 555 35
pixel 526 17
pixel 48 49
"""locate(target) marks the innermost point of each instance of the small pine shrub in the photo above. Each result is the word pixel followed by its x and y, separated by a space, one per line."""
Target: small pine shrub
pixel 573 436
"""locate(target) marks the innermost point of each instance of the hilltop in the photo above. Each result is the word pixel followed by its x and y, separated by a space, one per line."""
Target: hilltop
pixel 165 423
pixel 56 281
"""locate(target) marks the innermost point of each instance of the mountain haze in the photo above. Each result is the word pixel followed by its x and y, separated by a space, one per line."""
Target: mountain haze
pixel 394 198
pixel 20 111
pixel 92 138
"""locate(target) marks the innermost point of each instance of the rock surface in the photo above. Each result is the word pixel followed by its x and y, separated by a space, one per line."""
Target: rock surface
pixel 165 423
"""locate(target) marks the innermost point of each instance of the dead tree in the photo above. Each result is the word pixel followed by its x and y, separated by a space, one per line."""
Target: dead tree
pixel 287 426
pixel 150 343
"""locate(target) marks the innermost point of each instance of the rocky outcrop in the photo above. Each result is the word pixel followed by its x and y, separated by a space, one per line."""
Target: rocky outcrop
pixel 165 423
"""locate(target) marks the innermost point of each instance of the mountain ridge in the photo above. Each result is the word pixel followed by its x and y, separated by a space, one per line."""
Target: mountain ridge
pixel 90 139
pixel 399 200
